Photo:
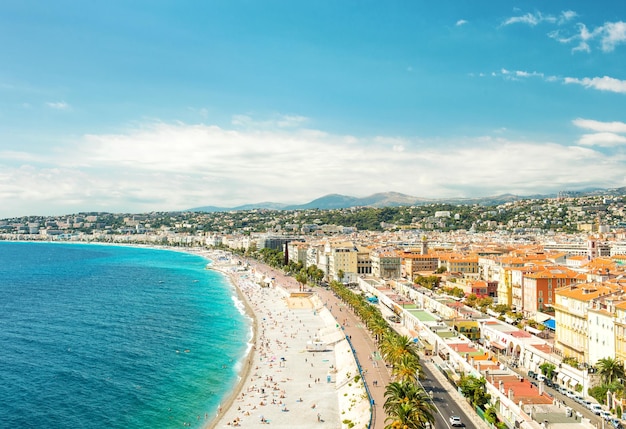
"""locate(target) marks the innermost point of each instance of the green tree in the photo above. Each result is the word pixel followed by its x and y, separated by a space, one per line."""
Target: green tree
pixel 547 369
pixel 610 369
pixel 471 300
pixel 407 406
pixel 302 278
pixel 501 308
pixel 395 346
pixel 429 282
pixel 474 389
pixel 407 368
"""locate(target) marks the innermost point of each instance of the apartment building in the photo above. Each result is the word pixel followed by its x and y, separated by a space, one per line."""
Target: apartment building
pixel 414 263
pixel 297 251
pixel 342 259
pixel 363 261
pixel 572 304
pixel 386 264
pixel 539 287
pixel 459 263
pixel 620 331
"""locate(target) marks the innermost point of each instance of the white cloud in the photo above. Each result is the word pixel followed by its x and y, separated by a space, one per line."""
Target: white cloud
pixel 604 83
pixel 598 126
pixel 58 105
pixel 531 19
pixel 165 166
pixel 614 33
pixel 606 134
pixel 461 22
pixel 605 139
pixel 516 74
pixel 609 36
pixel 567 15
pixel 521 73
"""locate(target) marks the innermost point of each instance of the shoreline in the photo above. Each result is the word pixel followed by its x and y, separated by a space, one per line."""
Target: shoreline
pixel 247 359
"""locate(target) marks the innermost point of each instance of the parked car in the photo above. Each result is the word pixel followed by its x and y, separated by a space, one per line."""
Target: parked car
pixel 606 415
pixel 455 421
pixel 596 408
pixel 616 423
pixel 570 394
pixel 532 374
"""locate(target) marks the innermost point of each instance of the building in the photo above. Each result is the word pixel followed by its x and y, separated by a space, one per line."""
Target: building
pixel 414 263
pixel 363 261
pixel 539 287
pixel 457 263
pixel 342 261
pixel 386 264
pixel 571 307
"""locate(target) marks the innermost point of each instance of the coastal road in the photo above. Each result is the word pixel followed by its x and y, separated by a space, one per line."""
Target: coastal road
pixel 446 403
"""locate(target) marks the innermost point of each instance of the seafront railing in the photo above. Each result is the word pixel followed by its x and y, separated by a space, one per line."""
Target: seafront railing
pixel 367 390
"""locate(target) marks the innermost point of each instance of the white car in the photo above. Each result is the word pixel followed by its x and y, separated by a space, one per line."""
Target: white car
pixel 596 408
pixel 606 415
pixel 455 421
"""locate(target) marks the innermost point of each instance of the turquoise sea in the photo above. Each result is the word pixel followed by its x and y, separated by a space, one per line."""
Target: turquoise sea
pixel 95 336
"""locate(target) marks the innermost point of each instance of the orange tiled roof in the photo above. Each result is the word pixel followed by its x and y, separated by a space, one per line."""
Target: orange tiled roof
pixel 585 291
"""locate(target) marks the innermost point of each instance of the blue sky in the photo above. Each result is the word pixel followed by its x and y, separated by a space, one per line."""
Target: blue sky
pixel 165 105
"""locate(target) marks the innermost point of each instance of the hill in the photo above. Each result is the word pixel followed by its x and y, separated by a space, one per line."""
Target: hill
pixel 395 199
pixel 383 199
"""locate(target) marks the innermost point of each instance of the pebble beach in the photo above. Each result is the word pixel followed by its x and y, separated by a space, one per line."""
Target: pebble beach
pixel 284 381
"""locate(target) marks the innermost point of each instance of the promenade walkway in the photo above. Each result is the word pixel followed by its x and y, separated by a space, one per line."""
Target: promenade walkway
pixel 377 375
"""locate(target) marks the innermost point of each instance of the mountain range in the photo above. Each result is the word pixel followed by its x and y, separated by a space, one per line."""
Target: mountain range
pixel 395 199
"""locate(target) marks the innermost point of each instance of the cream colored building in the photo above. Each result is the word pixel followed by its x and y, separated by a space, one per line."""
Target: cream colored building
pixel 505 287
pixel 342 257
pixel 572 318
pixel 620 331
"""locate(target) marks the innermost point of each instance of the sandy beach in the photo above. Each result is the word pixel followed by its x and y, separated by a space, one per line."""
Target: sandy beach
pixel 282 383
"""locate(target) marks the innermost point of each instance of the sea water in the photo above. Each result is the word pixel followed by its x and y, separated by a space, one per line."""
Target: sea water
pixel 95 336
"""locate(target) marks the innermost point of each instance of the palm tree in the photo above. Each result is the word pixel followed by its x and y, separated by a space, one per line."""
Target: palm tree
pixel 302 278
pixel 610 369
pixel 378 327
pixel 408 368
pixel 395 346
pixel 407 406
